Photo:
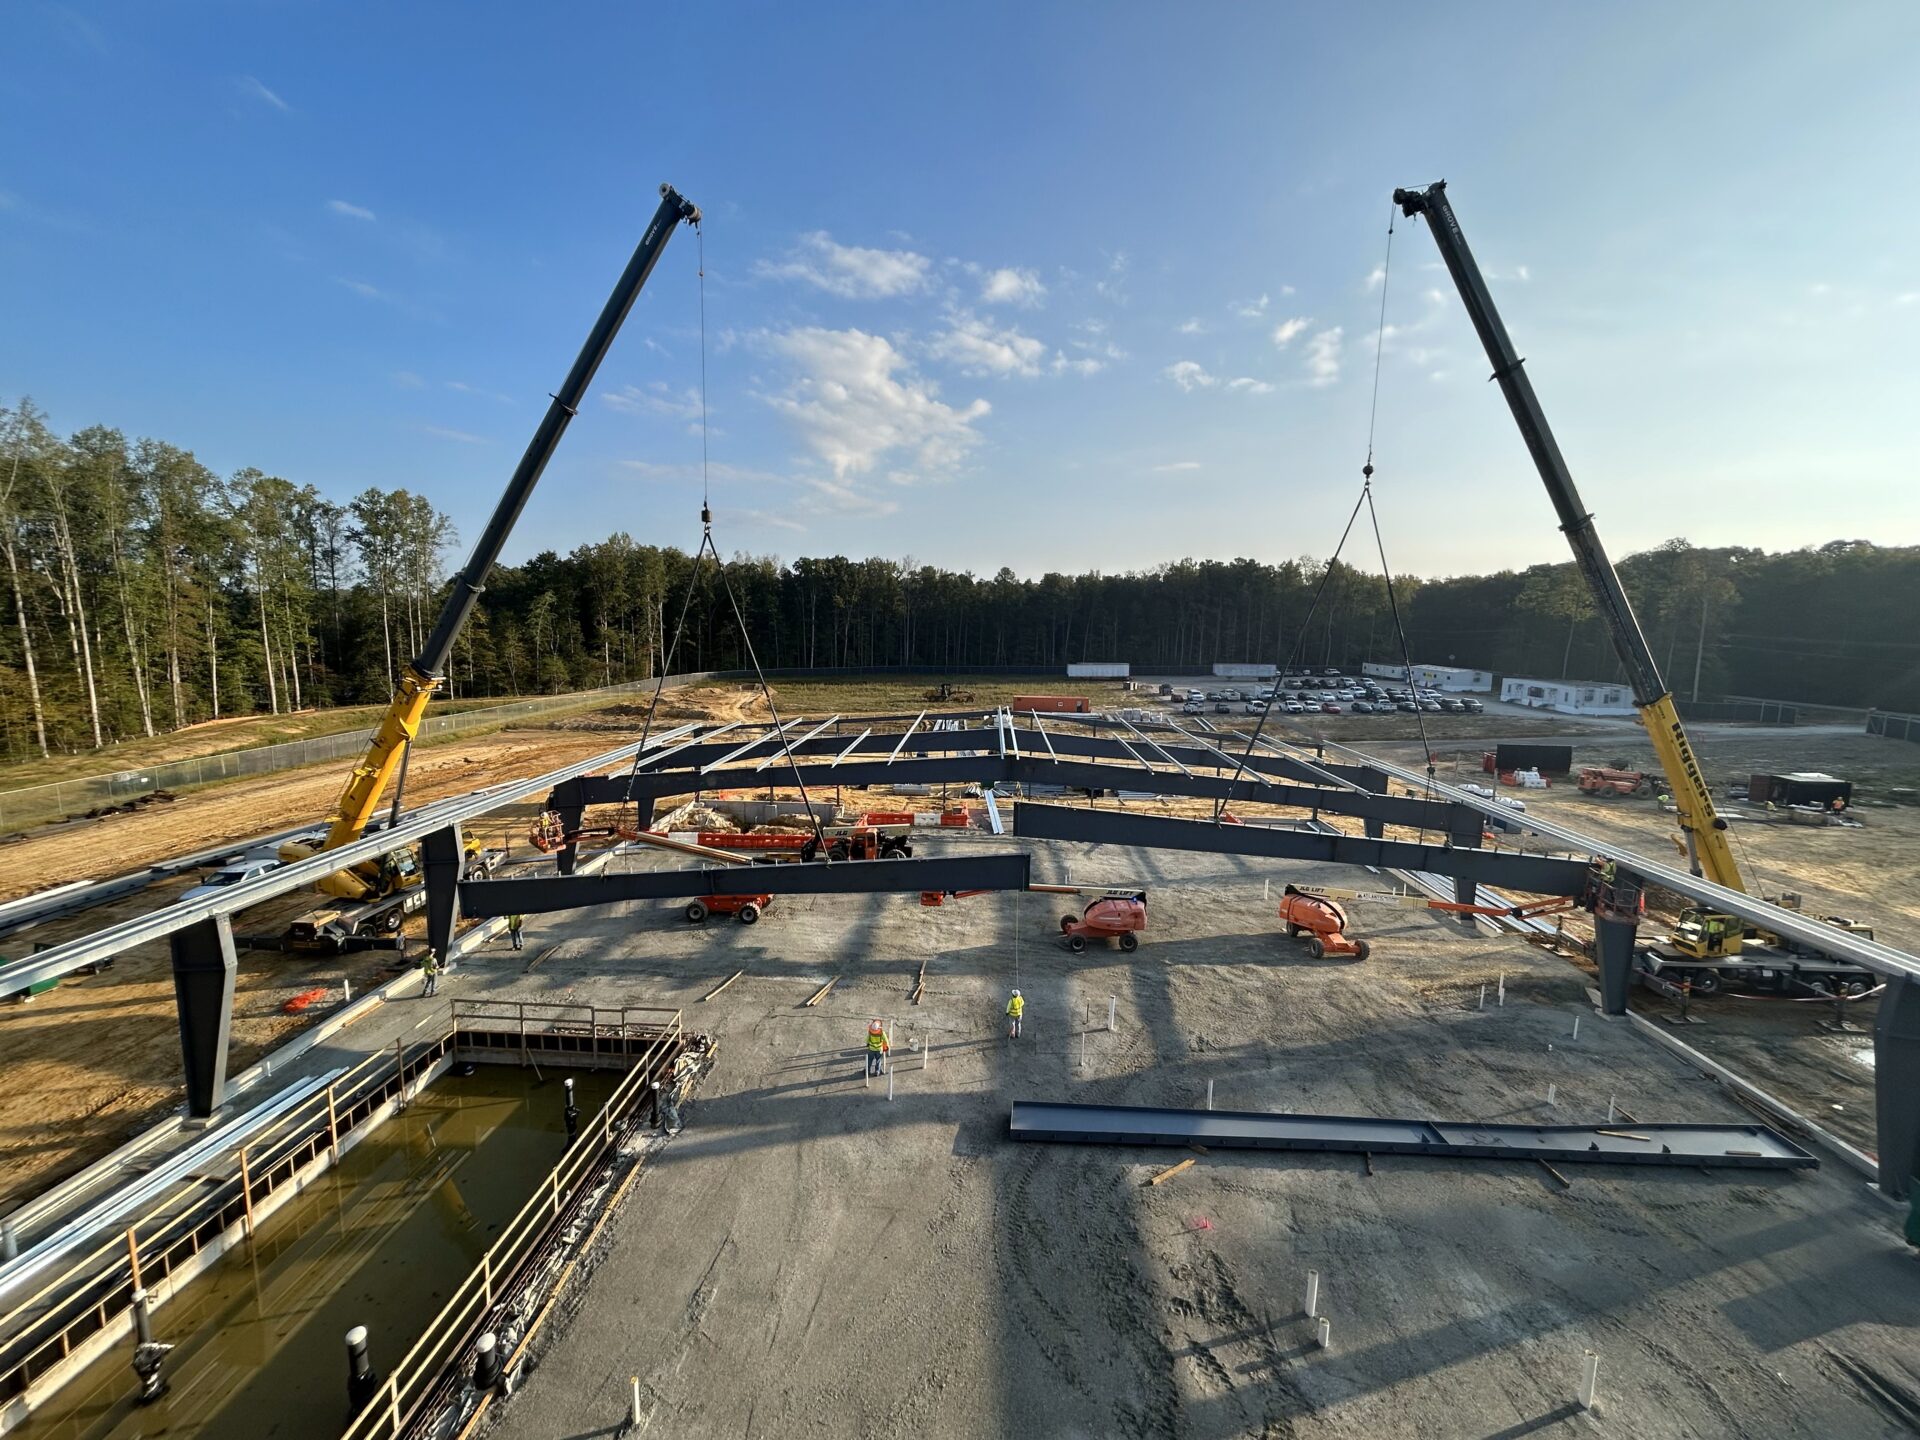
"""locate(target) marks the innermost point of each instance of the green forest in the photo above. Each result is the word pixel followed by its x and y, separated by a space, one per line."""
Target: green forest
pixel 146 593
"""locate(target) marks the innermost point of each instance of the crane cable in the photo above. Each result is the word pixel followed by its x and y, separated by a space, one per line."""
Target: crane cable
pixel 1366 498
pixel 706 548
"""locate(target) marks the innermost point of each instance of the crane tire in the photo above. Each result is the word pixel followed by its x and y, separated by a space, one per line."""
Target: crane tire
pixel 1706 982
pixel 1129 940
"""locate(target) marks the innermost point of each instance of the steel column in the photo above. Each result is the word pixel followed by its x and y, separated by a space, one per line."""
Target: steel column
pixel 203 969
pixel 1896 1085
pixel 442 862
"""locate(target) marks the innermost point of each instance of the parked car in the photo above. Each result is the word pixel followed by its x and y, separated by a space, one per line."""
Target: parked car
pixel 1294 707
pixel 216 882
pixel 1363 707
pixel 1193 707
pixel 1220 707
pixel 1474 707
pixel 1406 705
pixel 1432 706
pixel 1453 707
pixel 1256 707
pixel 1166 689
pixel 1328 707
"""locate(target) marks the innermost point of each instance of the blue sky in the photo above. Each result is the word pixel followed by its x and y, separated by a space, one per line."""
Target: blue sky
pixel 1050 286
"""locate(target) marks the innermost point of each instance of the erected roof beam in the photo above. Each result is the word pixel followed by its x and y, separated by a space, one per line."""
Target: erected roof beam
pixel 755 744
pixel 652 760
pixel 1536 874
pixel 543 894
pixel 852 745
pixel 904 738
pixel 793 749
pixel 1051 753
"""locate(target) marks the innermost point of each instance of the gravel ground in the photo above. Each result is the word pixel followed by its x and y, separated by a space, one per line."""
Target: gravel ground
pixel 809 1257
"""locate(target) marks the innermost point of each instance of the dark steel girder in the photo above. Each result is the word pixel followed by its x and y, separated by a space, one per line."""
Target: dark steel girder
pixel 1030 769
pixel 1745 1147
pixel 547 893
pixel 1535 874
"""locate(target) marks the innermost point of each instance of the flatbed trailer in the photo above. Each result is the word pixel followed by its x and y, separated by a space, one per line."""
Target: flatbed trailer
pixel 1765 968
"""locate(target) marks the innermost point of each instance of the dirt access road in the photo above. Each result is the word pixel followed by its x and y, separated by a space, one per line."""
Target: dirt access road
pixel 811 1258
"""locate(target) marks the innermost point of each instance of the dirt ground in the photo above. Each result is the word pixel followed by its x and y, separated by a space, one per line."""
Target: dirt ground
pixel 812 1257
pixel 91 1064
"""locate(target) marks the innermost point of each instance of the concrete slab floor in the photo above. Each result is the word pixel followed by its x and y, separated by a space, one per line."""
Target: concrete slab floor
pixel 808 1258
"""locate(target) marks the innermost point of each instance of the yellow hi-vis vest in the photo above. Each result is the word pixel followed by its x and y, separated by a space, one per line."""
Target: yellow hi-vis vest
pixel 876 1042
pixel 1017 1004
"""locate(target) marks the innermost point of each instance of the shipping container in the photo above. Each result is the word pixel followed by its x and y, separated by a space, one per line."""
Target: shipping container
pixel 1547 759
pixel 1052 704
pixel 1805 787
pixel 1237 670
pixel 1099 670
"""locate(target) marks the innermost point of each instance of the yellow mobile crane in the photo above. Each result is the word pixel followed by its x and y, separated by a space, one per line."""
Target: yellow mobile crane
pixel 389 876
pixel 1702 934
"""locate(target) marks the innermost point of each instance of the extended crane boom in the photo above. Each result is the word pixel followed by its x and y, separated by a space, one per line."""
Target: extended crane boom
pixel 1708 848
pixel 424 674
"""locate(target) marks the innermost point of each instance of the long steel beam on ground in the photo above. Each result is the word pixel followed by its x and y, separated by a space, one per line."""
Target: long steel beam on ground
pixel 1537 874
pixel 1032 770
pixel 1741 1147
pixel 103 944
pixel 1814 934
pixel 545 893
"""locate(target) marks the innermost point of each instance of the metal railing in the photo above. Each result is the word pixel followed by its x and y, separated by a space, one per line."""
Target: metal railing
pixel 96 1292
pixel 421 1369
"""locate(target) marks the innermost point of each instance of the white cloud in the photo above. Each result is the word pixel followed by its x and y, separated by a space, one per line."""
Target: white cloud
pixel 655 399
pixel 1250 386
pixel 1286 289
pixel 1193 327
pixel 1376 276
pixel 1906 297
pixel 1176 467
pixel 407 380
pixel 1436 297
pixel 1114 287
pixel 857 401
pixel 1012 287
pixel 253 89
pixel 442 433
pixel 1251 309
pixel 1286 331
pixel 1077 365
pixel 850 271
pixel 361 288
pixel 351 211
pixel 975 347
pixel 1189 375
pixel 1323 356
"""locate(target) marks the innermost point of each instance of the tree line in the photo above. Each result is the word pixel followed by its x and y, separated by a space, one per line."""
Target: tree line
pixel 145 593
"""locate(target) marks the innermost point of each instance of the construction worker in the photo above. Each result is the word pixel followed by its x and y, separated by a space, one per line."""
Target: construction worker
pixel 514 925
pixel 430 968
pixel 877 1047
pixel 1016 1007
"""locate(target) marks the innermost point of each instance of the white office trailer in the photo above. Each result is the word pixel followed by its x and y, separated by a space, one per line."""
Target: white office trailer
pixel 1455 678
pixel 1099 670
pixel 1568 697
pixel 1239 670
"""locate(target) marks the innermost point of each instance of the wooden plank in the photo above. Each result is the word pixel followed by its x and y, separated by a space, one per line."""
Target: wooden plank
pixel 1623 1134
pixel 821 993
pixel 1173 1170
pixel 920 985
pixel 721 986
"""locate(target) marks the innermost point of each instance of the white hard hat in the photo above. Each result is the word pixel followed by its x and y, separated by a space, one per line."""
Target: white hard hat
pixel 1016 992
